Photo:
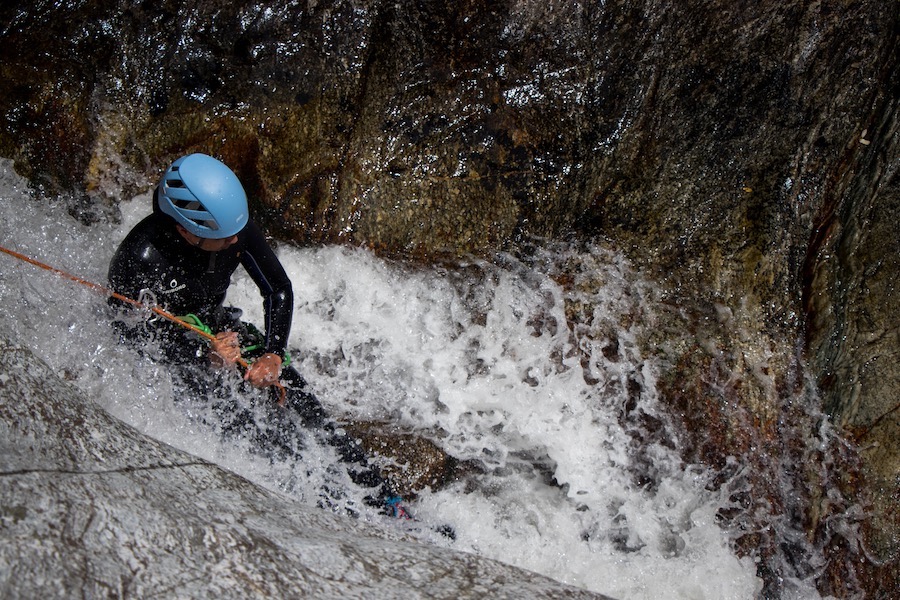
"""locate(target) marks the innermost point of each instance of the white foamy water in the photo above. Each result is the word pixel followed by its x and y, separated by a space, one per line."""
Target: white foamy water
pixel 479 358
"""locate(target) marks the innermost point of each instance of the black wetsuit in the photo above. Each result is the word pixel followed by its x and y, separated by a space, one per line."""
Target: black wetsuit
pixel 185 280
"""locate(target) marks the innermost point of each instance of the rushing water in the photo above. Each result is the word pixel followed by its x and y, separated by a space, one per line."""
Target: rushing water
pixel 479 358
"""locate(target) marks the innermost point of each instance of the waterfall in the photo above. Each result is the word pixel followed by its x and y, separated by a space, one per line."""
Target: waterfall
pixel 527 368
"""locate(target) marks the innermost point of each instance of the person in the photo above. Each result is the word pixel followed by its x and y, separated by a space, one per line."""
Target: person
pixel 182 258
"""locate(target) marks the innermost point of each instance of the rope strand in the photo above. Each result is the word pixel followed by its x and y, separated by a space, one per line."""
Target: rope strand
pixel 104 290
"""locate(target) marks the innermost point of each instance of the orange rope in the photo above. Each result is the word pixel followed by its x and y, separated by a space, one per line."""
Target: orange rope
pixel 97 287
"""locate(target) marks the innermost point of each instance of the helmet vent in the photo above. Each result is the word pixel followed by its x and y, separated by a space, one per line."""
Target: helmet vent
pixel 208 223
pixel 188 204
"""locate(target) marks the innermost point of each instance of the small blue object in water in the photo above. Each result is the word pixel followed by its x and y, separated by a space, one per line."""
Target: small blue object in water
pixel 395 509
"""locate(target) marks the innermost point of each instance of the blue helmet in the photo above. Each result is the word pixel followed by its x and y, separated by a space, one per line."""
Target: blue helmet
pixel 204 196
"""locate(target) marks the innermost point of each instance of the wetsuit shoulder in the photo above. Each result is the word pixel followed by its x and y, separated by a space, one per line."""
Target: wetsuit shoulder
pixel 138 258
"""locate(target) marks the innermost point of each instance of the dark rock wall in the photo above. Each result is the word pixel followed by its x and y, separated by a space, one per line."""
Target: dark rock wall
pixel 743 154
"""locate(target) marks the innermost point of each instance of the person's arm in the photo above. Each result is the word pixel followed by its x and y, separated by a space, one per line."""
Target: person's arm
pixel 266 270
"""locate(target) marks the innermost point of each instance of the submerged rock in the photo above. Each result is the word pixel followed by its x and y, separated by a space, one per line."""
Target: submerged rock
pixel 408 461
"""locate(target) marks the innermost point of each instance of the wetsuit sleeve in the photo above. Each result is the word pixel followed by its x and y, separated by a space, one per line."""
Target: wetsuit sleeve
pixel 266 270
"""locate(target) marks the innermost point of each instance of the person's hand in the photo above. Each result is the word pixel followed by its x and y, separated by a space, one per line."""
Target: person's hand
pixel 264 371
pixel 224 350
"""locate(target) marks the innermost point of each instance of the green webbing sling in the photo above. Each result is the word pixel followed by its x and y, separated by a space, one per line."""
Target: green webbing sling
pixel 194 320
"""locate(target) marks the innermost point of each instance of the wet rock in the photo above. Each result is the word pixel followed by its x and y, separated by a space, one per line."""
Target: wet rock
pixel 89 504
pixel 409 462
pixel 850 295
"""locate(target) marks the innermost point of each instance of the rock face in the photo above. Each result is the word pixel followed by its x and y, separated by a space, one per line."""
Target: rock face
pixel 90 507
pixel 744 156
